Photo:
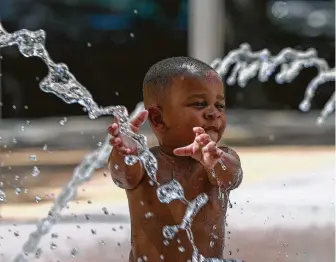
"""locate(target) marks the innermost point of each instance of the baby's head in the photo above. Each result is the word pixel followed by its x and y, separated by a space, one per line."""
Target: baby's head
pixel 181 93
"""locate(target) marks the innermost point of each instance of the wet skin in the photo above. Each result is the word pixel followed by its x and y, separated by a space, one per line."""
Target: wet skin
pixel 208 224
pixel 192 102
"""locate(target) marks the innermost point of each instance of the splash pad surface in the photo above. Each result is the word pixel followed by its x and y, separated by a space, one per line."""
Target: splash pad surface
pixel 278 205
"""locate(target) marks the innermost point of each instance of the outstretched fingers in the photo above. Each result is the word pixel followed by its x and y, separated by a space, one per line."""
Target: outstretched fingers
pixel 184 151
pixel 213 151
pixel 203 139
pixel 138 120
pixel 117 143
pixel 135 123
pixel 113 129
pixel 198 130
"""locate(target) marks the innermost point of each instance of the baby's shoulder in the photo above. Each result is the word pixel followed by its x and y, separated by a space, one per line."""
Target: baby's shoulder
pixel 229 150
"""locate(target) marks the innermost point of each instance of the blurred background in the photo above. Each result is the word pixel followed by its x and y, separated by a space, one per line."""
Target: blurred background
pixel 284 210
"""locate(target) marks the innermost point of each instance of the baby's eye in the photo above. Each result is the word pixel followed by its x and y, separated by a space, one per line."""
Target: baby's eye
pixel 199 104
pixel 220 107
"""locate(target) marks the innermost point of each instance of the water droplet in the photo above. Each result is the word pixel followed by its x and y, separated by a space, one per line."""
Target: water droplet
pixel 93 231
pixel 16 233
pixel 103 243
pixel 35 171
pixel 74 252
pixel 280 9
pixel 135 11
pixel 212 243
pixel 304 106
pixel 130 160
pixel 14 107
pixel 105 211
pixel 99 144
pixel 14 140
pixel 162 257
pixel 169 232
pixel 319 121
pixel 22 128
pixel 37 199
pixel 38 253
pixel 131 35
pixel 17 191
pixel 25 107
pixel 89 44
pixel 54 235
pixel 45 147
pixel 149 214
pixel 89 202
pixel 2 196
pixel 181 249
pixel 63 121
pixel 32 157
pixel 117 93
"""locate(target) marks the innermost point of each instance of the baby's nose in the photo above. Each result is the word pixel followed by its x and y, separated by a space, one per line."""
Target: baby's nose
pixel 211 114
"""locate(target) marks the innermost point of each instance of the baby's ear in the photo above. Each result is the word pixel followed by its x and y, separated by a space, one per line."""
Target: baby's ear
pixel 155 117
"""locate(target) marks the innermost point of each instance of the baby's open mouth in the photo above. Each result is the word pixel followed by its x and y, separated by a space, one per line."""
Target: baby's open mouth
pixel 211 129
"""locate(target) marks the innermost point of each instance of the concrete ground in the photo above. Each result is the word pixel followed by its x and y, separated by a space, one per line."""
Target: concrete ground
pixel 284 210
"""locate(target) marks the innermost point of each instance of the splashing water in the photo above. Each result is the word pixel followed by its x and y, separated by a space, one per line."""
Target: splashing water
pixel 247 65
pixel 63 84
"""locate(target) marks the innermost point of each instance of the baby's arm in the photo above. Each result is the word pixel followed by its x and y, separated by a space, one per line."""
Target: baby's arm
pixel 124 176
pixel 222 163
pixel 230 177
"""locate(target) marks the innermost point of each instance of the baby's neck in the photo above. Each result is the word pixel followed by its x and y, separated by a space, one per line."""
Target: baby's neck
pixel 166 150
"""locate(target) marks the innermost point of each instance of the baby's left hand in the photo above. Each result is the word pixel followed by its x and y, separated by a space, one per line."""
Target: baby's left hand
pixel 203 149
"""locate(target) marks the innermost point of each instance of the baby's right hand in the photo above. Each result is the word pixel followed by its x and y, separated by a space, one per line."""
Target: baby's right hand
pixel 119 141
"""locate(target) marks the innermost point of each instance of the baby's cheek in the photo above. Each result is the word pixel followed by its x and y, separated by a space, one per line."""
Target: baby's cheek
pixel 196 119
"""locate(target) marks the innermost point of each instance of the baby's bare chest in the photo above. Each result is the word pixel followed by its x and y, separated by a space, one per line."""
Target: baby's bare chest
pixel 193 189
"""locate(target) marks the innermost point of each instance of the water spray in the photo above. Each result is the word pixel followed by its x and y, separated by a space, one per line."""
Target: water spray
pixel 63 84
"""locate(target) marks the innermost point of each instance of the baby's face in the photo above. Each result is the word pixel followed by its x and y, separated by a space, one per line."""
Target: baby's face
pixel 194 102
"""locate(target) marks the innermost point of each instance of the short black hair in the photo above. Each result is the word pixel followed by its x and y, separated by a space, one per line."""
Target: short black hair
pixel 162 73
